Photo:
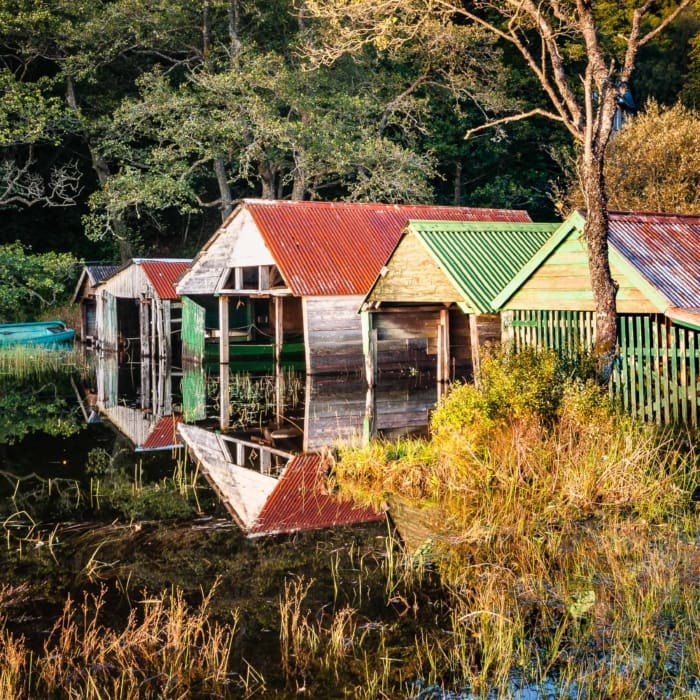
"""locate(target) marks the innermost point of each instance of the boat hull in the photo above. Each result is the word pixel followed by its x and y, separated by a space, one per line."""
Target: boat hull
pixel 41 333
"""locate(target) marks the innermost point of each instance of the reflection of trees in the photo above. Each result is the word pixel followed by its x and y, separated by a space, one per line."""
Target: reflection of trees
pixel 26 408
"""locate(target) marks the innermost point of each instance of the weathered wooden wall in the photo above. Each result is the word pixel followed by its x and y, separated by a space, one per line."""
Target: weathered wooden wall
pixel 563 283
pixel 412 274
pixel 333 334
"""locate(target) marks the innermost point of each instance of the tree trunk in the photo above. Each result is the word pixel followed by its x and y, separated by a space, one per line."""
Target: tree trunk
pixel 604 287
pixel 224 187
pixel 457 184
pixel 267 180
pixel 101 168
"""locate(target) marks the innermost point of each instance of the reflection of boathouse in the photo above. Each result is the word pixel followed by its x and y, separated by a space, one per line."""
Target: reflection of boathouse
pixel 138 305
pixel 292 497
pixel 280 277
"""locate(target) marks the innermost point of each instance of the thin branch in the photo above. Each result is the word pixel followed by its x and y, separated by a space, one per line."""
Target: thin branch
pixel 514 118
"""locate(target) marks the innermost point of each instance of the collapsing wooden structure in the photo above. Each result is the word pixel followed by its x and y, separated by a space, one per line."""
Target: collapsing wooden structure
pixel 430 307
pixel 655 260
pixel 137 305
pixel 84 295
pixel 282 277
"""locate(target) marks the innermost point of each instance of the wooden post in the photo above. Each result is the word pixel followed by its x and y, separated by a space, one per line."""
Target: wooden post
pixel 224 412
pixel 474 339
pixel 279 333
pixel 223 330
pixel 143 325
pixel 154 327
pixel 443 347
pixel 369 347
pixel 145 383
pixel 166 349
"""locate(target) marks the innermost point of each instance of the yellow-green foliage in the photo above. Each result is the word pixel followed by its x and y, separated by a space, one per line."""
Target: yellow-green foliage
pixel 529 449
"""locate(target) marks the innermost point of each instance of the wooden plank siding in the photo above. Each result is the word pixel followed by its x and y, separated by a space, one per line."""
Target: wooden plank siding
pixel 333 334
pixel 657 370
pixel 563 283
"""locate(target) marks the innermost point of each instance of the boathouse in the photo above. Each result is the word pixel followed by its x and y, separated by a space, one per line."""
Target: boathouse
pixel 137 307
pixel 84 295
pixel 282 277
pixel 429 308
pixel 655 260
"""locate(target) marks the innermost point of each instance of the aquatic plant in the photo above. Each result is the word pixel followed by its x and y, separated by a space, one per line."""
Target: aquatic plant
pixel 562 530
pixel 33 362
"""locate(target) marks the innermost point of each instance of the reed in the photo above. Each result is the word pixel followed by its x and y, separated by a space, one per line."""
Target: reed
pixel 563 537
pixel 25 362
pixel 165 649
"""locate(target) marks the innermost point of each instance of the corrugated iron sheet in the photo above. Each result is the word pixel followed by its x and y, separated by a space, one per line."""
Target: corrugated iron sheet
pixel 481 258
pixel 336 248
pixel 97 273
pixel 163 435
pixel 665 249
pixel 300 502
pixel 163 274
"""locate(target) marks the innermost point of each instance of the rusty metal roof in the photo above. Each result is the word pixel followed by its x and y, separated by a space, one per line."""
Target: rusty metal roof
pixel 300 501
pixel 163 435
pixel 336 248
pixel 163 274
pixel 664 249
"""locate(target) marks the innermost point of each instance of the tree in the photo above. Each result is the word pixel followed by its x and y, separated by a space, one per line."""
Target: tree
pixel 30 283
pixel 653 163
pixel 582 75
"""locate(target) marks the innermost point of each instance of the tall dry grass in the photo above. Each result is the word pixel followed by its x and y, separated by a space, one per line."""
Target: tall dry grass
pixel 166 648
pixel 564 534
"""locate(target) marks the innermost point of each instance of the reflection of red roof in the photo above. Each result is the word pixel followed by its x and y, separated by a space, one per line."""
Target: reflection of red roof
pixel 163 275
pixel 300 501
pixel 329 248
pixel 163 435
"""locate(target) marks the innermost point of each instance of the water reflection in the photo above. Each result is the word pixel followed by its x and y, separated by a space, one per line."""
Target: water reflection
pixel 248 433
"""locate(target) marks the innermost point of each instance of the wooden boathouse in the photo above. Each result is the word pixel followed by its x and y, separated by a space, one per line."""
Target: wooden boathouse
pixel 137 306
pixel 429 308
pixel 84 295
pixel 655 260
pixel 281 277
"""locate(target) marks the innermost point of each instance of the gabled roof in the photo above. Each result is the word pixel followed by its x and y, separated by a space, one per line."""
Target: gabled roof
pixel 300 502
pixel 93 274
pixel 478 258
pixel 660 251
pixel 334 248
pixel 161 273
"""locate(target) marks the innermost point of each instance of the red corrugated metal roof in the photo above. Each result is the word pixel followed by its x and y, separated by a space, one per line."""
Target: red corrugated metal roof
pixel 329 248
pixel 665 249
pixel 164 435
pixel 300 502
pixel 163 274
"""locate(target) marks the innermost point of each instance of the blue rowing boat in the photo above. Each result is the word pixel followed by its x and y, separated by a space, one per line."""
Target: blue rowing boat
pixel 44 333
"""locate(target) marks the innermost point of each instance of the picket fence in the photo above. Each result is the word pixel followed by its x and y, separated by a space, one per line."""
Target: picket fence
pixel 657 368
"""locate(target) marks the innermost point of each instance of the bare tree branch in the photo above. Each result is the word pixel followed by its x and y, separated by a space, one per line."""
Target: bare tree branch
pixel 513 118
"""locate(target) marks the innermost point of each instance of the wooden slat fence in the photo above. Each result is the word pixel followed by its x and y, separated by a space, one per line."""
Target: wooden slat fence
pixel 656 376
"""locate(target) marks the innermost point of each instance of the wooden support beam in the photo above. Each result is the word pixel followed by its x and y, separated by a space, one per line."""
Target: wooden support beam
pixel 223 330
pixel 279 332
pixel 224 412
pixel 476 355
pixel 144 325
pixel 369 347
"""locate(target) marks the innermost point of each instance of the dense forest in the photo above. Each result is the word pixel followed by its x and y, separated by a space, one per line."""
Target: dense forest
pixel 130 127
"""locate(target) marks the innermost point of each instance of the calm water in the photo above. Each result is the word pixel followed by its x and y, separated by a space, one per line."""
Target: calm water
pixel 84 505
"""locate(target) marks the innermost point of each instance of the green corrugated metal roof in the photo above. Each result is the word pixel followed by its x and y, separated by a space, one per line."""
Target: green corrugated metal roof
pixel 480 259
